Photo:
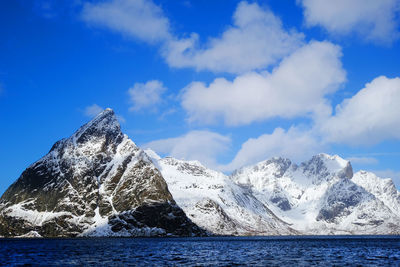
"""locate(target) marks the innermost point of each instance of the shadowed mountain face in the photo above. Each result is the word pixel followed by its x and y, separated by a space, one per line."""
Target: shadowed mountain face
pixel 96 182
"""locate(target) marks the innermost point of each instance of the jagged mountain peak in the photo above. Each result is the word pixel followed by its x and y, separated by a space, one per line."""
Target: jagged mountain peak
pixel 190 167
pixel 197 165
pixel 276 166
pixel 321 166
pixel 370 177
pixel 183 161
pixel 323 196
pixel 333 162
pixel 96 182
pixel 372 183
pixel 384 189
pixel 104 124
pixel 326 166
pixel 278 161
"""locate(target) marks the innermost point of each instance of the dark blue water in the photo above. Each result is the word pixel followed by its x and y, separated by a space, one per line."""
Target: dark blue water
pixel 221 251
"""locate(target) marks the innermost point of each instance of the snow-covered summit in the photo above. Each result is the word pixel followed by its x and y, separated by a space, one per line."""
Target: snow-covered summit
pixel 318 169
pixel 324 166
pixel 322 195
pixel 275 166
pixel 105 123
pixel 383 189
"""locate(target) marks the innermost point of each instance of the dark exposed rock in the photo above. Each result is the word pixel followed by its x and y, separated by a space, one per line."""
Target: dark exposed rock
pixel 282 202
pixel 169 218
pixel 340 198
pixel 317 167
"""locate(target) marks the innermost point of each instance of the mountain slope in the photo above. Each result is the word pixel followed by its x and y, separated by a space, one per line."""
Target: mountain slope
pixel 96 182
pixel 321 196
pixel 99 183
pixel 215 203
pixel 382 189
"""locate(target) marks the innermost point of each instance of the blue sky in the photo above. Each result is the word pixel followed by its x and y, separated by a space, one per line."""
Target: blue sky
pixel 229 83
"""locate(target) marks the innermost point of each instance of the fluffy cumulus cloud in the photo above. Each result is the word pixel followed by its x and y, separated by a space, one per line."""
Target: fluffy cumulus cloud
pixel 92 110
pixel 369 117
pixel 146 95
pixel 140 19
pixel 374 20
pixel 296 87
pixel 256 35
pixel 295 144
pixel 204 146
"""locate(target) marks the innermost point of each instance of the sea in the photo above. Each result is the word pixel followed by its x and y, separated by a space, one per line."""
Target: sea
pixel 204 251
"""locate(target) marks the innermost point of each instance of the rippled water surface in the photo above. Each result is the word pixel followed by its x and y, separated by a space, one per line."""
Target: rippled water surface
pixel 222 251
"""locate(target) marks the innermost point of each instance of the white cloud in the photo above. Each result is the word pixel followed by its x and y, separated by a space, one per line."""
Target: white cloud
pixel 369 117
pixel 373 20
pixel 257 36
pixel 297 87
pixel 93 110
pixel 140 19
pixel 363 160
pixel 146 95
pixel 203 146
pixel 295 144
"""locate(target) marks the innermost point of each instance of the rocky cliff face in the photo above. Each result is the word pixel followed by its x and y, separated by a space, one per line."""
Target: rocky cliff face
pixel 96 182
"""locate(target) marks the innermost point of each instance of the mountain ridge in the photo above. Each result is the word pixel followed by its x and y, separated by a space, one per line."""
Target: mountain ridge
pixel 317 196
pixel 97 182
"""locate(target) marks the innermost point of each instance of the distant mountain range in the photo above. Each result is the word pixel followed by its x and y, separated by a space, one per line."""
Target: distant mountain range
pixel 99 183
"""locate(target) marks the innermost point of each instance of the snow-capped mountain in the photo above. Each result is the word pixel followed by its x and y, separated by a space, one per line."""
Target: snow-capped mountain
pixel 99 183
pixel 96 182
pixel 382 189
pixel 214 202
pixel 322 196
